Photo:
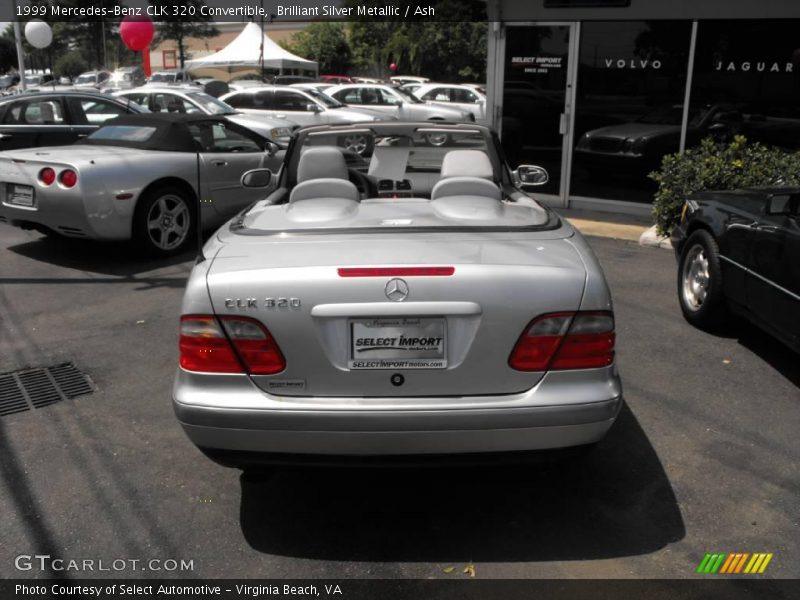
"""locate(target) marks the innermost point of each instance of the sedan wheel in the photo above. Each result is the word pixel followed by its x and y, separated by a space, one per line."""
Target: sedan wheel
pixel 700 291
pixel 356 142
pixel 163 221
pixel 695 278
pixel 437 139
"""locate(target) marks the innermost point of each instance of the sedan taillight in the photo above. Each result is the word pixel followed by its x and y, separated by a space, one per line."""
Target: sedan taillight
pixel 228 345
pixel 568 340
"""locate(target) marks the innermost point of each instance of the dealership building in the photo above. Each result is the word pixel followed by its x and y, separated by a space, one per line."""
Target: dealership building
pixel 598 91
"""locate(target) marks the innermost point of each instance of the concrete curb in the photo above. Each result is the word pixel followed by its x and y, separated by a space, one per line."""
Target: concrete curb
pixel 651 238
pixel 622 231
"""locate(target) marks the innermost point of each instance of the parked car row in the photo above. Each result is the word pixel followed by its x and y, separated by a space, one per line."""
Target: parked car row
pixel 138 130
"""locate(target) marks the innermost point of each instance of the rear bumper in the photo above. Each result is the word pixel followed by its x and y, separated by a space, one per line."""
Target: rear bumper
pixel 66 216
pixel 558 412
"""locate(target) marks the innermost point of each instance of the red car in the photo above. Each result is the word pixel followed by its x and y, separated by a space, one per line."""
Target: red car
pixel 336 79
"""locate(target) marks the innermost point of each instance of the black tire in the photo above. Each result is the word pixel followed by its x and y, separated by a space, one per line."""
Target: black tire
pixel 164 221
pixel 437 140
pixel 359 143
pixel 700 292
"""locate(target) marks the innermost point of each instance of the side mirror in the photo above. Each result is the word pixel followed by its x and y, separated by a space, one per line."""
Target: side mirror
pixel 257 178
pixel 311 107
pixel 271 148
pixel 530 175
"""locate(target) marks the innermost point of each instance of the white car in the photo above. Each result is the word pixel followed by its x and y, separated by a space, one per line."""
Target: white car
pixel 306 107
pixel 319 86
pixel 396 103
pixel 403 79
pixel 190 100
pixel 465 97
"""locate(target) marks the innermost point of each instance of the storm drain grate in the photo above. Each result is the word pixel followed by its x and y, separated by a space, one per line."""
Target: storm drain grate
pixel 36 388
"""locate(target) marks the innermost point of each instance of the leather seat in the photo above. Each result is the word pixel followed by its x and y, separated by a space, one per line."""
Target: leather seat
pixel 466 173
pixel 322 173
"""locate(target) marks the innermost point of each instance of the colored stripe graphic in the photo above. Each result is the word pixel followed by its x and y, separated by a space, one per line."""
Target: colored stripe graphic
pixel 731 558
pixel 735 563
pixel 767 558
pixel 740 564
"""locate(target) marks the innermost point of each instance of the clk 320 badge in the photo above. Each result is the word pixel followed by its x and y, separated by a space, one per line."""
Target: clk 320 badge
pixel 268 303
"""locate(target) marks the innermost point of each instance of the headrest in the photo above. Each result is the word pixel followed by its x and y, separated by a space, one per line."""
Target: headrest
pixel 321 162
pixel 465 186
pixel 467 163
pixel 324 189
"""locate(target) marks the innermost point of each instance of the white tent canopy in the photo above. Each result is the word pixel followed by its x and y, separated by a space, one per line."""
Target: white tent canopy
pixel 245 51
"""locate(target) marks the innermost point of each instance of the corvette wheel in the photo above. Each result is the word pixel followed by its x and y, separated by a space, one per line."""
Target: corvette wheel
pixel 163 221
pixel 700 282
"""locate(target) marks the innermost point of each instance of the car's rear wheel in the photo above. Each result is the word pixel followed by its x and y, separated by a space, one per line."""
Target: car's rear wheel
pixel 700 282
pixel 164 221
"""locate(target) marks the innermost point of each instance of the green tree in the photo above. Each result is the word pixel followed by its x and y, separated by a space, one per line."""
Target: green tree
pixel 324 42
pixel 183 27
pixel 71 64
pixel 451 47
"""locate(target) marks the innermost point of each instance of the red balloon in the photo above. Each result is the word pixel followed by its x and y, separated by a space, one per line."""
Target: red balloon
pixel 393 67
pixel 136 32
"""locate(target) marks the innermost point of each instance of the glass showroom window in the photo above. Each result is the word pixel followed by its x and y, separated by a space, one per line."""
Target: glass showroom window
pixel 747 81
pixel 631 87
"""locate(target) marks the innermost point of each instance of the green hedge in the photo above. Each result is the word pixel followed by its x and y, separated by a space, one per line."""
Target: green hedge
pixel 718 166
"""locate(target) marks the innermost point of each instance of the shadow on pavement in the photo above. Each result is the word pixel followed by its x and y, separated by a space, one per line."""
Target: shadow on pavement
pixel 773 352
pixel 617 501
pixel 776 354
pixel 108 258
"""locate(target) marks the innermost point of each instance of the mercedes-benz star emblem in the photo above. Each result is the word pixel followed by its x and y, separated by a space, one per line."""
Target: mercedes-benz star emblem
pixel 396 290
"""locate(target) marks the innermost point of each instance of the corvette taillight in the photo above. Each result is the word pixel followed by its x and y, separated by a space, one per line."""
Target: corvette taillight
pixel 47 176
pixel 567 340
pixel 228 345
pixel 68 178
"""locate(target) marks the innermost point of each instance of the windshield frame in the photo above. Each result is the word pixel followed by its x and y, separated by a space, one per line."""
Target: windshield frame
pixel 406 95
pixel 321 98
pixel 205 100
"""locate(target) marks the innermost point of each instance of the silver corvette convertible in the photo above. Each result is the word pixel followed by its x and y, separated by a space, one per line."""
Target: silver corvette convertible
pixel 136 177
pixel 415 304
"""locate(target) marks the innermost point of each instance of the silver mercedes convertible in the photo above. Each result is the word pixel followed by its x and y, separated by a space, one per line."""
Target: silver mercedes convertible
pixel 412 304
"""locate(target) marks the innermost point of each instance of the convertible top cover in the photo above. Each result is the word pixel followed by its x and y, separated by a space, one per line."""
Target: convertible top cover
pixel 156 131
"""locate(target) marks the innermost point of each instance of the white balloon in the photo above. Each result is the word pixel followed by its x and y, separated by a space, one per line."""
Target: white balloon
pixel 38 33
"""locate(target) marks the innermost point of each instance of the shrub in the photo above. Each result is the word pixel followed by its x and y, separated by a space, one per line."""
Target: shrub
pixel 718 166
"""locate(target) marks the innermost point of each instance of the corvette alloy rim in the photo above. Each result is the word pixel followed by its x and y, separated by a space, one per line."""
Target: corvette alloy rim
pixel 168 222
pixel 695 278
pixel 356 143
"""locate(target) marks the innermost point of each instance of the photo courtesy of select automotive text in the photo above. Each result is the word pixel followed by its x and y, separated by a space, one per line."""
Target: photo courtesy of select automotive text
pixel 400 299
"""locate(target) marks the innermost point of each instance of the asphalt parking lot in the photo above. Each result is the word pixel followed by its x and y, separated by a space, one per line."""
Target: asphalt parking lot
pixel 704 457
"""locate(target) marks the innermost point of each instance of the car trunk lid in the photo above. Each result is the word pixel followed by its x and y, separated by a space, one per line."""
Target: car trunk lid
pixel 444 318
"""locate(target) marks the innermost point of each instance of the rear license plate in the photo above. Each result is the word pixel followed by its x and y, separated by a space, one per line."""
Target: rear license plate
pixel 21 195
pixel 398 343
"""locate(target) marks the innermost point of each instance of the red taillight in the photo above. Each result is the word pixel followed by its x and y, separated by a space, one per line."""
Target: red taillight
pixel 582 340
pixel 47 176
pixel 68 178
pixel 396 271
pixel 245 346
